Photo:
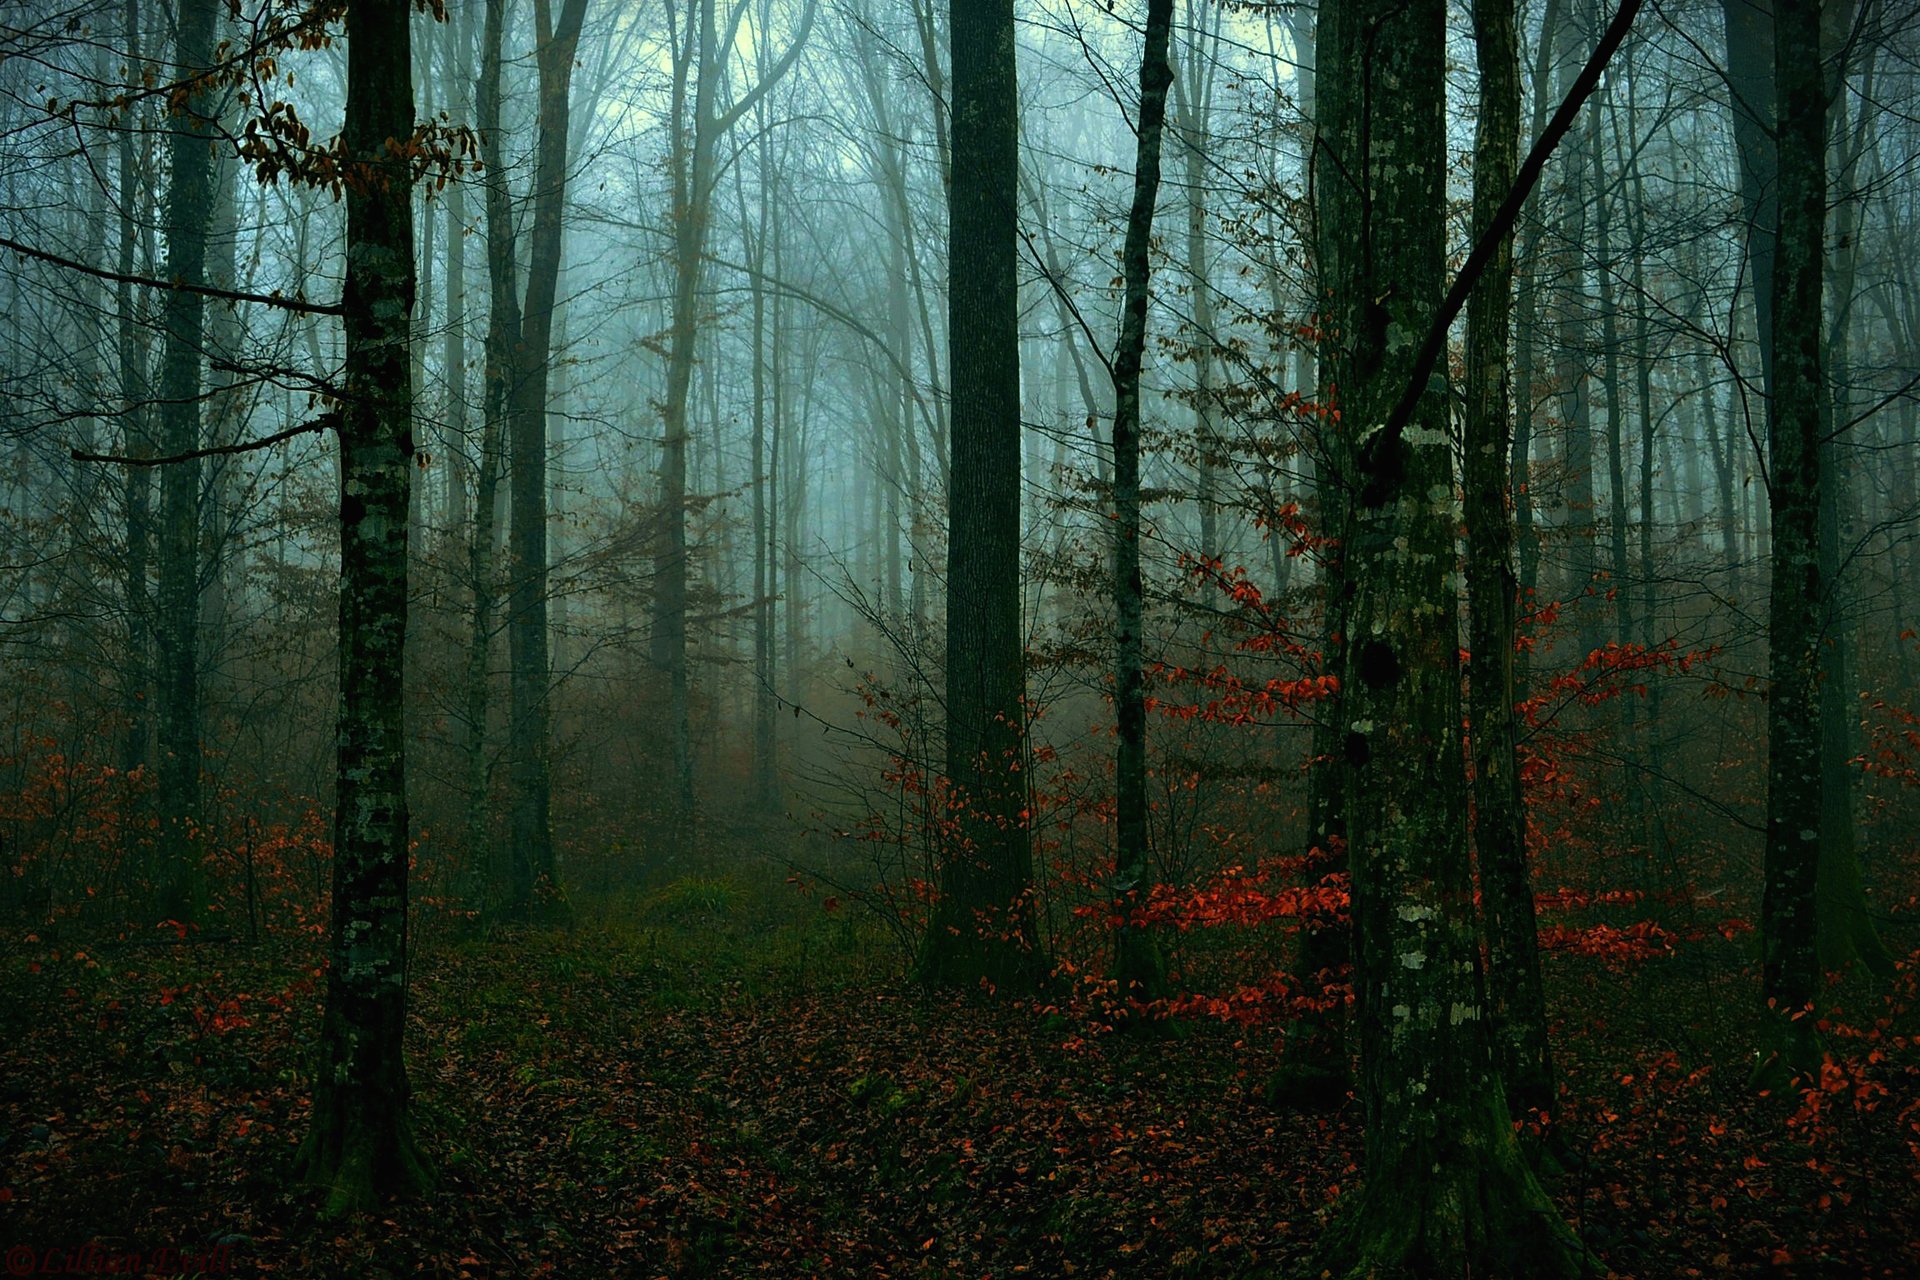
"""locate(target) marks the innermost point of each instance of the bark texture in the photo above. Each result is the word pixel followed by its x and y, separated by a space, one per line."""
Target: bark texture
pixel 361 1148
pixel 1446 1192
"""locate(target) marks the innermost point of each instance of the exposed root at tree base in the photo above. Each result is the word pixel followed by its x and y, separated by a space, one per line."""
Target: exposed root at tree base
pixel 1463 1210
pixel 362 1169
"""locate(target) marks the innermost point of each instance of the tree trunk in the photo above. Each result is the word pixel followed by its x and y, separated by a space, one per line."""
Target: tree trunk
pixel 1646 783
pixel 1195 95
pixel 189 203
pixel 982 933
pixel 1610 385
pixel 361 1147
pixel 1844 925
pixel 1516 1003
pixel 1138 966
pixel 136 482
pixel 691 160
pixel 1750 88
pixel 221 571
pixel 1314 1071
pixel 1447 1193
pixel 1526 363
pixel 535 888
pixel 1570 354
pixel 765 786
pixel 1796 422
pixel 453 441
pixel 502 342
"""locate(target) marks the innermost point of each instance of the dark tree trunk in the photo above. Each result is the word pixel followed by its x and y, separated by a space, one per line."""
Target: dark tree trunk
pixel 1571 350
pixel 535 886
pixel 765 778
pixel 1515 1000
pixel 1750 88
pixel 1194 98
pixel 503 341
pixel 1646 784
pixel 692 163
pixel 1611 390
pixel 476 684
pixel 137 482
pixel 361 1147
pixel 1796 422
pixel 1314 1071
pixel 1138 966
pixel 1845 927
pixel 982 932
pixel 189 203
pixel 1447 1193
pixel 454 441
pixel 1527 358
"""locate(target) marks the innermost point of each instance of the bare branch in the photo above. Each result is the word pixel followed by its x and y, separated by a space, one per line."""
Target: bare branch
pixel 325 422
pixel 206 291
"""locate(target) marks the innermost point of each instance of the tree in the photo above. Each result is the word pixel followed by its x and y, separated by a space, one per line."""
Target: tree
pixel 1571 363
pixel 1796 426
pixel 1447 1192
pixel 1750 89
pixel 1845 926
pixel 361 1146
pixel 534 887
pixel 700 57
pixel 188 207
pixel 1315 1069
pixel 1516 1003
pixel 982 931
pixel 768 337
pixel 1138 966
pixel 136 482
pixel 503 341
pixel 1193 97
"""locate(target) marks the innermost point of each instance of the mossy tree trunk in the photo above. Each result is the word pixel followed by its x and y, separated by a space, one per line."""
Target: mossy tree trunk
pixel 1447 1192
pixel 361 1148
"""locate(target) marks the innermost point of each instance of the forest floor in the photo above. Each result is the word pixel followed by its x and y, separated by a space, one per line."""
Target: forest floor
pixel 713 1098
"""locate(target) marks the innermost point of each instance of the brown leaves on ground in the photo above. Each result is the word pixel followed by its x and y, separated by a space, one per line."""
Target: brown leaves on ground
pixel 592 1117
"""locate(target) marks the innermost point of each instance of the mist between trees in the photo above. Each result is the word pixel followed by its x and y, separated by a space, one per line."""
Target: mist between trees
pixel 1348 571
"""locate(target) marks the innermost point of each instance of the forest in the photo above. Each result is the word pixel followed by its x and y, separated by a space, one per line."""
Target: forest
pixel 960 639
